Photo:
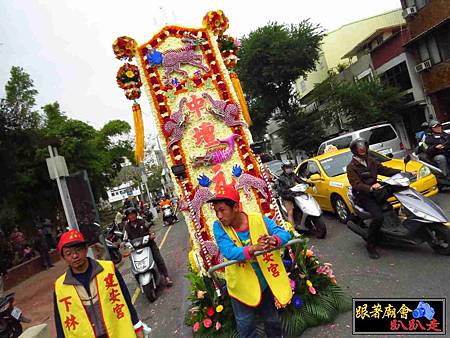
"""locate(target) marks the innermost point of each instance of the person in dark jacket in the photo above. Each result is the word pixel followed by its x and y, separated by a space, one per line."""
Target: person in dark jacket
pixel 362 174
pixel 41 245
pixel 136 227
pixel 287 180
pixel 434 145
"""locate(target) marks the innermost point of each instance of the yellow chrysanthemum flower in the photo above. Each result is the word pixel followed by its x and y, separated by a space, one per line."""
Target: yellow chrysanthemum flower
pixel 219 308
pixel 129 74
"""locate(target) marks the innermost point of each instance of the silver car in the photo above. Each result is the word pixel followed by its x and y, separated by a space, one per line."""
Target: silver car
pixel 382 138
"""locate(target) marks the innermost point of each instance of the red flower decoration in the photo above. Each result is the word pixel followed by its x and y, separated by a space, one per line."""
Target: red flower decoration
pixel 124 48
pixel 210 311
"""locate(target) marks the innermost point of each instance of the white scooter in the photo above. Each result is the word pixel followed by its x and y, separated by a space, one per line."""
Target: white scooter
pixel 168 215
pixel 419 220
pixel 144 267
pixel 307 212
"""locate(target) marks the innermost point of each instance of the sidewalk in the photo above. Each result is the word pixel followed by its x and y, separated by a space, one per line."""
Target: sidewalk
pixel 35 297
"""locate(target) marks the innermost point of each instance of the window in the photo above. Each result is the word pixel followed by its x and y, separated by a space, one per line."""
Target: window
pixel 436 47
pixel 302 170
pixel 418 3
pixel 397 76
pixel 342 142
pixel 379 135
pixel 307 169
pixel 443 42
pixel 421 3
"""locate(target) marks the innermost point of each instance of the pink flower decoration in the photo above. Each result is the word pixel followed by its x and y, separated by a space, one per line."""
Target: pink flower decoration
pixel 312 290
pixel 218 326
pixel 292 284
pixel 237 42
pixel 207 323
pixel 196 326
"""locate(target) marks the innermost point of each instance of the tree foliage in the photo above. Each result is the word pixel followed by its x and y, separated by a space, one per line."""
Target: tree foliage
pixel 272 58
pixel 27 190
pixel 357 103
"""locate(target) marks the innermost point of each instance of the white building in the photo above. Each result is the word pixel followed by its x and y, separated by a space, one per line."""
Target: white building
pixel 120 193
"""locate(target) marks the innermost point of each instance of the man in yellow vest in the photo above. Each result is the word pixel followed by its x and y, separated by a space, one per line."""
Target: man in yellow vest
pixel 91 298
pixel 258 282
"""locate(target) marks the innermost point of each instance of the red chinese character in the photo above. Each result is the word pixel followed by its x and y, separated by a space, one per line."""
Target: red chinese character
pixel 404 327
pixel 66 302
pixel 414 324
pixel 394 325
pixel 205 134
pixel 118 310
pixel 113 296
pixel 267 257
pixel 196 104
pixel 109 281
pixel 274 269
pixel 433 326
pixel 71 322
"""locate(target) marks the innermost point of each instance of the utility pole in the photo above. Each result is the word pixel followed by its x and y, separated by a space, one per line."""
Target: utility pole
pixel 58 170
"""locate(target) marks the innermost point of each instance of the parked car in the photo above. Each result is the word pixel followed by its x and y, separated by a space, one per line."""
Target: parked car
pixel 382 138
pixel 274 167
pixel 331 167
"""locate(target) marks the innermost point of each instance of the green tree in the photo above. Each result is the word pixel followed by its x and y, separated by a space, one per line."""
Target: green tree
pixel 272 58
pixel 154 176
pixel 26 189
pixel 18 111
pixel 303 131
pixel 359 103
pixel 100 152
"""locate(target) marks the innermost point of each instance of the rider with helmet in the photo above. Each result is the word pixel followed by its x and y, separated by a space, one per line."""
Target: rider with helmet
pixel 287 180
pixel 362 174
pixel 136 227
pixel 435 144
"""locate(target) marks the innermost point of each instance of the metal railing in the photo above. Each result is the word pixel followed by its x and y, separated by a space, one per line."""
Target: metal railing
pixel 257 253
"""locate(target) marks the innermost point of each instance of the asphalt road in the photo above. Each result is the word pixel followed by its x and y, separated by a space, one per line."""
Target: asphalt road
pixel 412 272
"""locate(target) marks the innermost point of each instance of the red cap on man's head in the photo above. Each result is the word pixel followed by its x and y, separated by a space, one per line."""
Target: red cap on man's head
pixel 227 192
pixel 71 237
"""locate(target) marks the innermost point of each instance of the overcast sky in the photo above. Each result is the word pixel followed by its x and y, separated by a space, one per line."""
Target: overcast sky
pixel 65 45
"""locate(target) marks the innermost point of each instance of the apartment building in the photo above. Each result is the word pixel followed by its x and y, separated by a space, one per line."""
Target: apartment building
pixel 428 23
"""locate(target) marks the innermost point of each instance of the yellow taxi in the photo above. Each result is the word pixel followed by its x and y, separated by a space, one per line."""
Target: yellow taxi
pixel 331 183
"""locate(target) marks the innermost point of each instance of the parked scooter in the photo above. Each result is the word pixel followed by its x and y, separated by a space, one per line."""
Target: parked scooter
pixel 419 219
pixel 169 217
pixel 11 318
pixel 144 267
pixel 307 212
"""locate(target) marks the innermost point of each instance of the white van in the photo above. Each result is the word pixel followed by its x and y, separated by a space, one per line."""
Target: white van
pixel 382 138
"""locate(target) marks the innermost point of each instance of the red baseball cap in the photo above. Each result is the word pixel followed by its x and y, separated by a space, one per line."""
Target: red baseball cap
pixel 71 237
pixel 226 192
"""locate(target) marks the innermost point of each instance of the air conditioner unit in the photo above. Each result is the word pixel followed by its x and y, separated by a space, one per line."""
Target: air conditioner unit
pixel 408 11
pixel 423 65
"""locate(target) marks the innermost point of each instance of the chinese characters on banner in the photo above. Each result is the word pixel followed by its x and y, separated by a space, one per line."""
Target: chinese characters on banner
pixel 394 316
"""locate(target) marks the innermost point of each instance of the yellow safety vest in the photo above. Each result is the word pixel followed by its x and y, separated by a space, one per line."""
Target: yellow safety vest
pixel 241 278
pixel 105 288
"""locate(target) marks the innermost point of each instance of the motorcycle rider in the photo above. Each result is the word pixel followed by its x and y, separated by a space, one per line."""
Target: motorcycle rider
pixel 287 180
pixel 362 174
pixel 434 146
pixel 136 227
pixel 166 201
